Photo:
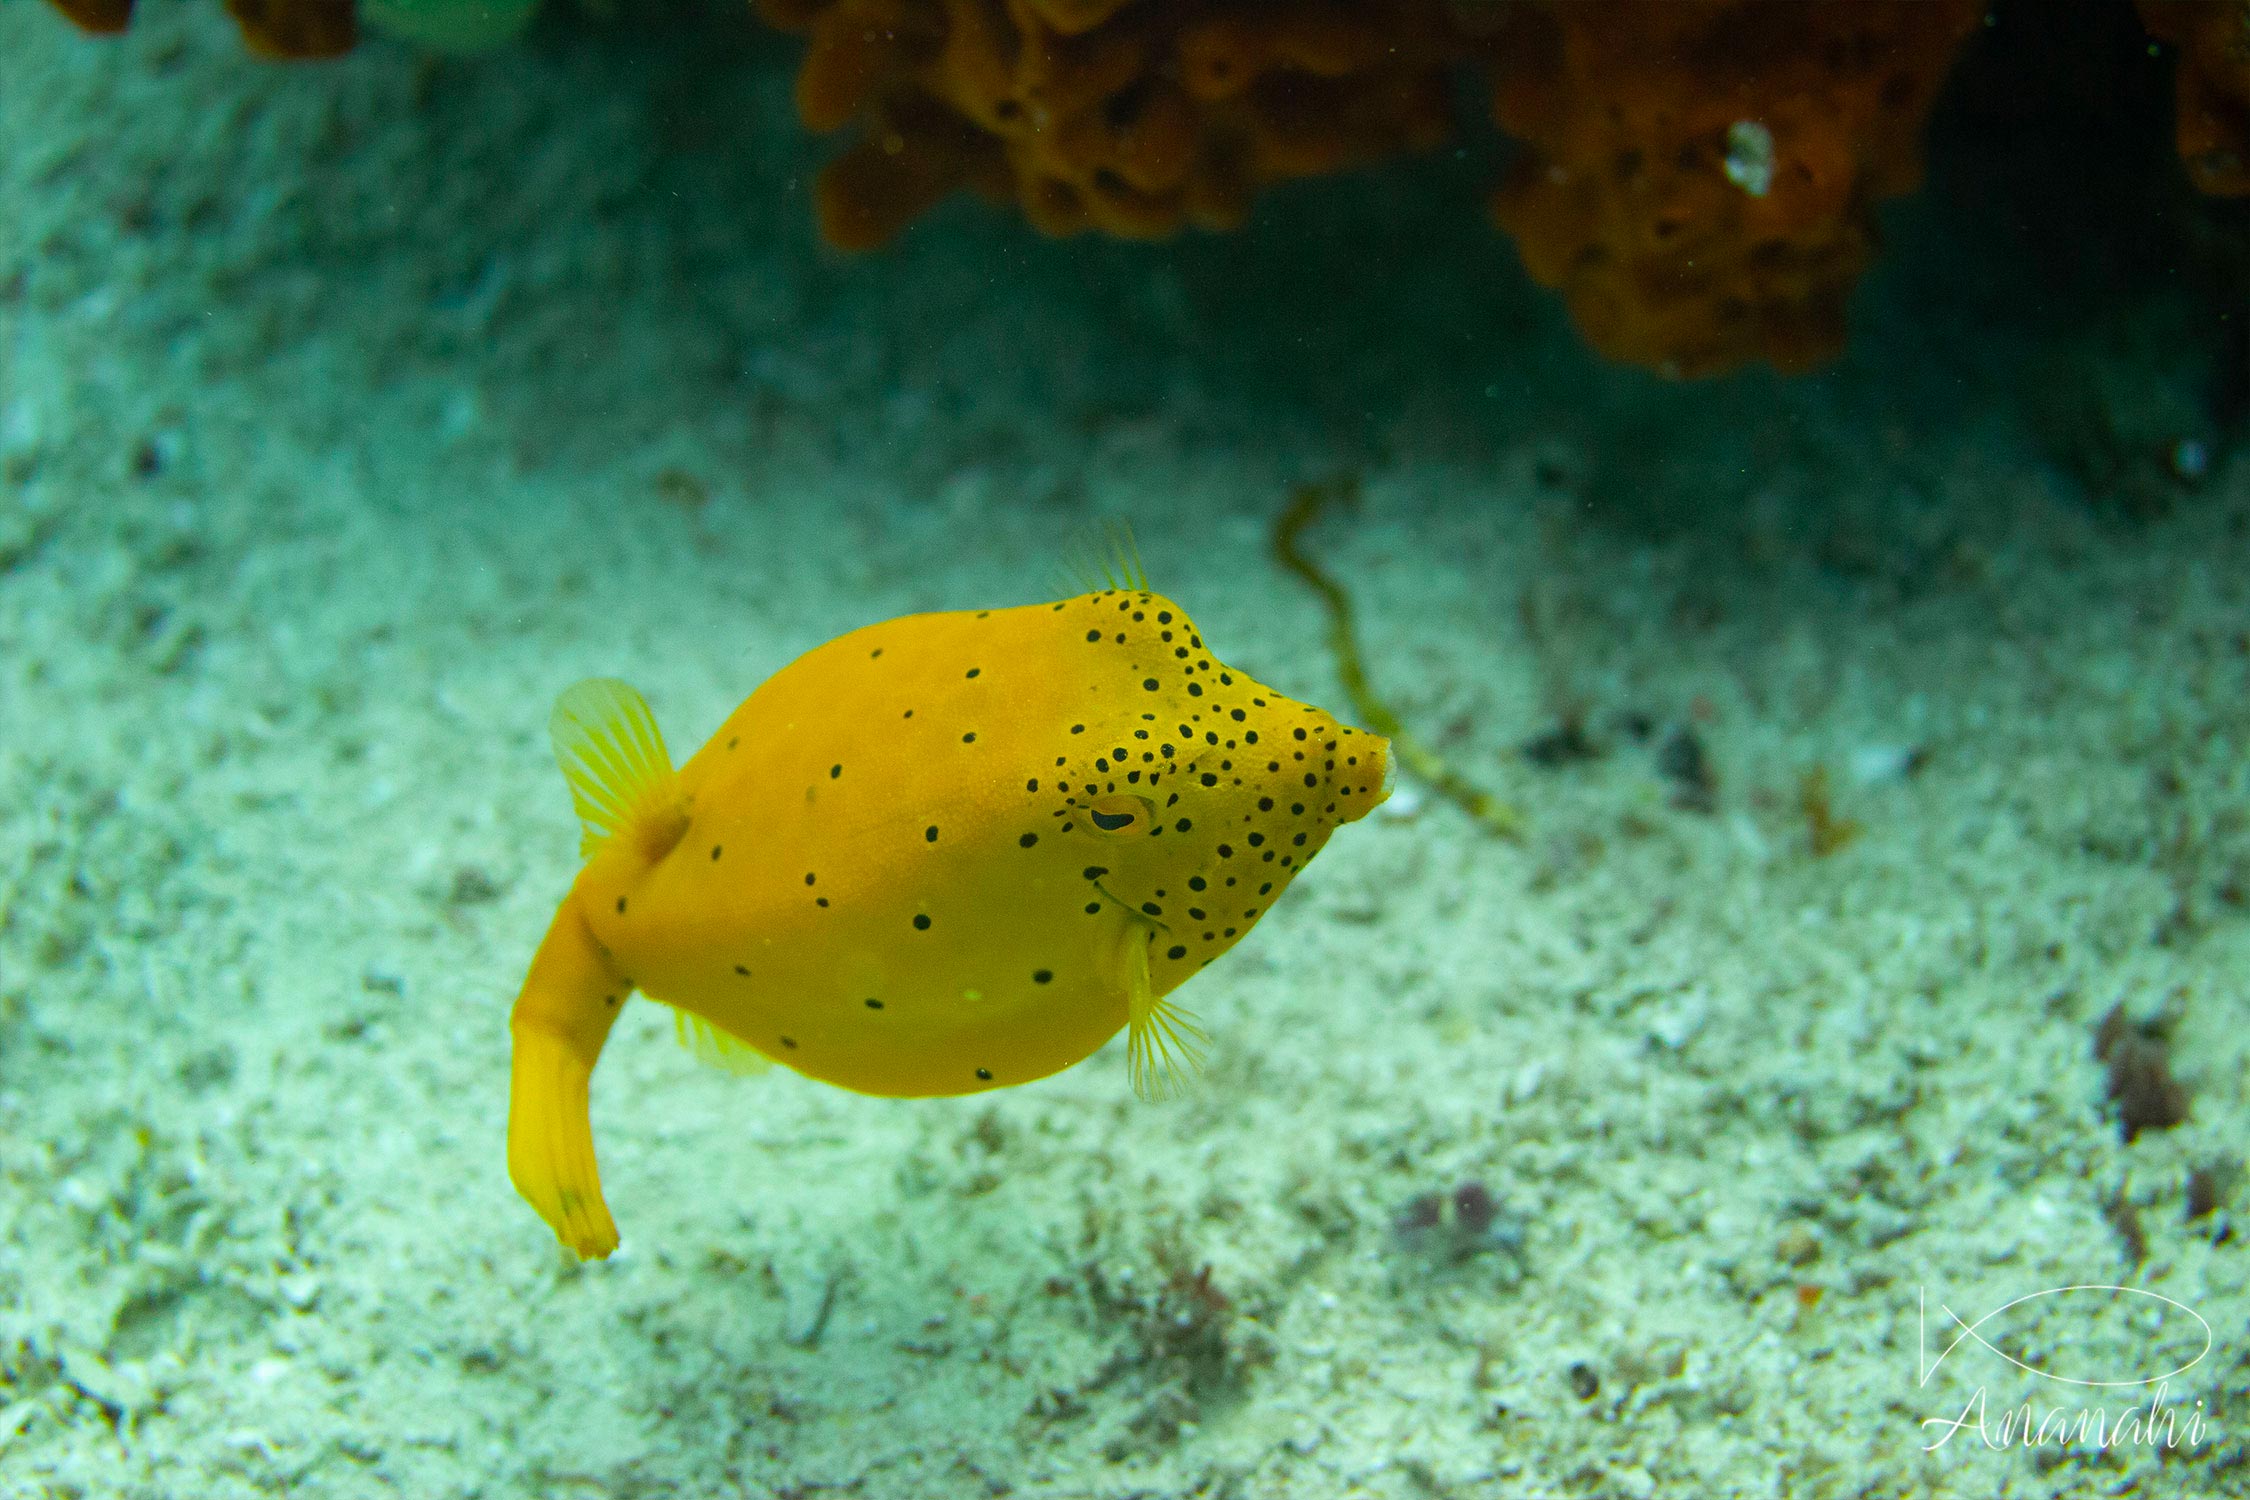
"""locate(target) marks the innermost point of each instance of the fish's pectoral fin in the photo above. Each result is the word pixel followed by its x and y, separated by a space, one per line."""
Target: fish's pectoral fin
pixel 1164 1045
pixel 621 778
pixel 716 1048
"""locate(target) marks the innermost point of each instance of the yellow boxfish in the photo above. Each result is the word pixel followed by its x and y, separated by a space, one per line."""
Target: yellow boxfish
pixel 944 853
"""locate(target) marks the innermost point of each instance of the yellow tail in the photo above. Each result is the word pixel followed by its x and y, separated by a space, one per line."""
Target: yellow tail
pixel 569 1000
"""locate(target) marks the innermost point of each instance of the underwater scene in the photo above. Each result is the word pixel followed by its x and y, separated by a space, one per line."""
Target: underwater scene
pixel 1227 749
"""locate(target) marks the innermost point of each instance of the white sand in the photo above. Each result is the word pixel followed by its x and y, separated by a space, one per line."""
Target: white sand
pixel 432 363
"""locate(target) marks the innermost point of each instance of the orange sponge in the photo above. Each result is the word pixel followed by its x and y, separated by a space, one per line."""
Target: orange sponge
pixel 1133 117
pixel 102 17
pixel 296 28
pixel 289 29
pixel 2211 89
pixel 1701 173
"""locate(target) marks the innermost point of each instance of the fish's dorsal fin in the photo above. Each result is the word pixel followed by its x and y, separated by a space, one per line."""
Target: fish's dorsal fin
pixel 1164 1045
pixel 716 1048
pixel 621 777
pixel 1103 555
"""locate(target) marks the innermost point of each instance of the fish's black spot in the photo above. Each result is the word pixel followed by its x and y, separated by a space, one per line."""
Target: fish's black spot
pixel 1152 908
pixel 1164 618
pixel 1032 838
pixel 1195 882
pixel 1093 908
pixel 1299 733
pixel 878 651
pixel 715 848
pixel 790 1042
pixel 1075 729
pixel 1182 826
pixel 1175 951
pixel 734 741
pixel 1032 785
pixel 1149 683
pixel 835 771
pixel 1209 779
pixel 1093 635
pixel 1256 839
pixel 820 900
pixel 973 671
pixel 1239 715
pixel 1299 840
pixel 1226 851
pixel 921 922
pixel 739 969
pixel 1265 804
pixel 929 834
pixel 1042 976
pixel 610 1001
pixel 1095 872
pixel 808 877
pixel 970 738
pixel 910 713
pixel 1195 690
pixel 621 906
pixel 985 1074
pixel 874 1004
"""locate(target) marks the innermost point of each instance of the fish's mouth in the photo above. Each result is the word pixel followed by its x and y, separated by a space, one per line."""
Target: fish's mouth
pixel 1380 749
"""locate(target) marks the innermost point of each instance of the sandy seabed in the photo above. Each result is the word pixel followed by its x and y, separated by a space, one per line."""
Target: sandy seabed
pixel 348 413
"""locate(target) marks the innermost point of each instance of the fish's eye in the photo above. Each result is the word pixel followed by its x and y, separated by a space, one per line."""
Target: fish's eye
pixel 1121 815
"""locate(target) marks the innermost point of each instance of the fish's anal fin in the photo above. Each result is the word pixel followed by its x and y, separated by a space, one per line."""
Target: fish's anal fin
pixel 716 1048
pixel 621 778
pixel 1164 1045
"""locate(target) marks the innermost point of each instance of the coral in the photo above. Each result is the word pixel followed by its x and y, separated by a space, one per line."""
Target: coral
pixel 1133 117
pixel 1701 174
pixel 2212 88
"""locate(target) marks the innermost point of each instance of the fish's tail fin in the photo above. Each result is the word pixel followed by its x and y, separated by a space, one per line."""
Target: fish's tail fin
pixel 569 1000
pixel 621 778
